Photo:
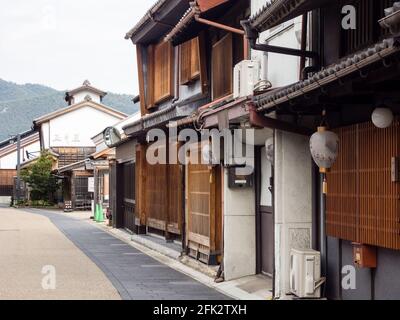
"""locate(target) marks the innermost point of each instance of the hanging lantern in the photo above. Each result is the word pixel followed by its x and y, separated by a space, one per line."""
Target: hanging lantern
pixel 324 146
pixel 382 118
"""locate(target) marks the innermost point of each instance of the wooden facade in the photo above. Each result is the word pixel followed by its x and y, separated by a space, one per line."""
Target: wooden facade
pixel 204 211
pixel 362 201
pixel 7 181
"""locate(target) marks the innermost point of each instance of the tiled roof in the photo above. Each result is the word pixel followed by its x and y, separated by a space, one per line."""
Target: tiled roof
pixel 275 12
pixel 328 75
pixel 146 18
pixel 184 22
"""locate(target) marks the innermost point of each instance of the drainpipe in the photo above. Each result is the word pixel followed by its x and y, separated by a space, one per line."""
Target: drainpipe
pixel 229 29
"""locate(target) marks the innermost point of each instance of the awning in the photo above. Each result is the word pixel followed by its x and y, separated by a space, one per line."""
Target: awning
pixel 188 28
pixel 336 72
pixel 161 117
pixel 275 12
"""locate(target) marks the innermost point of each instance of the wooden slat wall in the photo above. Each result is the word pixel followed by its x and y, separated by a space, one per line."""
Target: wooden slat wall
pixel 163 196
pixel 7 181
pixel 362 201
pixel 341 206
pixel 222 67
pixel 368 30
pixel 156 192
pixel 204 208
pixel 174 189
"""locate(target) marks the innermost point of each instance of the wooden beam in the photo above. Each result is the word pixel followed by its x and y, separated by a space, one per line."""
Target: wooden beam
pixel 261 121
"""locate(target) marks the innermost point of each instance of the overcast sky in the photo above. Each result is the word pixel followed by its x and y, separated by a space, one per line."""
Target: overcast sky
pixel 60 43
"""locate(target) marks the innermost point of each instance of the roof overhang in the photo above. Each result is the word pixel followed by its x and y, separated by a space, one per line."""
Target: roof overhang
pixel 98 106
pixel 337 73
pixel 86 88
pixel 161 117
pixel 158 21
pixel 188 27
pixel 276 12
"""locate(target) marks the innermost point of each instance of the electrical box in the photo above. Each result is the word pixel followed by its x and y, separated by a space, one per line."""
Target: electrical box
pixel 305 273
pixel 364 255
pixel 239 181
pixel 246 75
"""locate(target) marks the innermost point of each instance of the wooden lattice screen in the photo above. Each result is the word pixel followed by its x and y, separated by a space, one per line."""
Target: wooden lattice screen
pixel 204 210
pixel 163 194
pixel 362 200
pixel 7 181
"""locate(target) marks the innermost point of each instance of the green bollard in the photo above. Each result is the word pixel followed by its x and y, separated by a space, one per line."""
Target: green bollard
pixel 96 213
pixel 100 214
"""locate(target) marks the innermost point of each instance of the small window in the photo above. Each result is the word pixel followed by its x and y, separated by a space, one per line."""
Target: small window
pixel 222 67
pixel 163 71
pixel 190 61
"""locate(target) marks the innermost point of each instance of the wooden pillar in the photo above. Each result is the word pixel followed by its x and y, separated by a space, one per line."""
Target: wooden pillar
pixel 113 190
pixel 72 190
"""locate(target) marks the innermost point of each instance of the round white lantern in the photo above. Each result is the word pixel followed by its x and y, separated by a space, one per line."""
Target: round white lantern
pixel 382 118
pixel 324 146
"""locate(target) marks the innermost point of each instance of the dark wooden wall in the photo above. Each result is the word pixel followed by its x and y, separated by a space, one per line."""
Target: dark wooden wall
pixel 362 201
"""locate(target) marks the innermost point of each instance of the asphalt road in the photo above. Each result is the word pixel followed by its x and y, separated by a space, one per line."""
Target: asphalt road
pixel 89 263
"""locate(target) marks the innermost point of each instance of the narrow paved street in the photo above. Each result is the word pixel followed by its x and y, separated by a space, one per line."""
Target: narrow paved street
pixel 89 263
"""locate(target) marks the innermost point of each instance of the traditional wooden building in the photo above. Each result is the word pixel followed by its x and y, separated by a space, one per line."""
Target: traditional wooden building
pixel 350 86
pixel 29 149
pixel 67 134
pixel 178 78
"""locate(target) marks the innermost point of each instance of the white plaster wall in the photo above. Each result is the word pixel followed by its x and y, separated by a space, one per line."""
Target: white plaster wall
pixel 280 69
pixel 5 200
pixel 10 161
pixel 80 96
pixel 76 128
pixel 239 231
pixel 46 135
pixel 293 202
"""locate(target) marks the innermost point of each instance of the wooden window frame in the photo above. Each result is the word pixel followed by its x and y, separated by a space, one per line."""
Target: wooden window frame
pixel 147 72
pixel 189 60
pixel 229 61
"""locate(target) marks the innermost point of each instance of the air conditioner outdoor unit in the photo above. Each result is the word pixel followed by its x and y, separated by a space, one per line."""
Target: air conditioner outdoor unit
pixel 305 273
pixel 246 75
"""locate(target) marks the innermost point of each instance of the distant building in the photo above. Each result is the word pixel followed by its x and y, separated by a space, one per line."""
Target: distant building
pixel 30 146
pixel 68 133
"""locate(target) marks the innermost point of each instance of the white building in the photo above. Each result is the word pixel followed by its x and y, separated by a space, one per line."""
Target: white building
pixel 68 134
pixel 29 148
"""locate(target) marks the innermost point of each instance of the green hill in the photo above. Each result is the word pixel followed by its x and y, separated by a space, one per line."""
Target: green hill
pixel 21 104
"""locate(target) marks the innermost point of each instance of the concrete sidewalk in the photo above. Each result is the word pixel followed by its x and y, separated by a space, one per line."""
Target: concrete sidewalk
pixel 133 273
pixel 29 242
pixel 255 287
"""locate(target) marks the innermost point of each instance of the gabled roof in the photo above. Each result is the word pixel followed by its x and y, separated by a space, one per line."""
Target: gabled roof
pixel 27 138
pixel 86 86
pixel 23 135
pixel 93 104
pixel 275 12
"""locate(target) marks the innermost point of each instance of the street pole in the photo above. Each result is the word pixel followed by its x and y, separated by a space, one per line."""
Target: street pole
pixel 18 186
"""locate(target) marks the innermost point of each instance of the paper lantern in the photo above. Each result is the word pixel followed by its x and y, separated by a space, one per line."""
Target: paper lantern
pixel 324 146
pixel 382 118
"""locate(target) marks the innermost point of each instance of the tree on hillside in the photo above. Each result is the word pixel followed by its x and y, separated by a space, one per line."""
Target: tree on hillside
pixel 38 176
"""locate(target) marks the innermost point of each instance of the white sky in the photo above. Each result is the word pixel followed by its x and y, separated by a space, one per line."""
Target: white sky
pixel 60 43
